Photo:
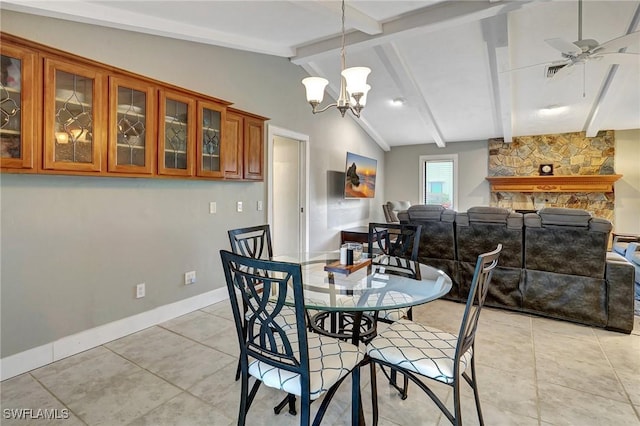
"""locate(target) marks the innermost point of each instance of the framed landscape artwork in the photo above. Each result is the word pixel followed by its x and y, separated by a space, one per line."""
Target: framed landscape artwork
pixel 360 176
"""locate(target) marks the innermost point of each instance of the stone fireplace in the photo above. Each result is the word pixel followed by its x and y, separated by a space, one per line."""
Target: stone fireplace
pixel 571 154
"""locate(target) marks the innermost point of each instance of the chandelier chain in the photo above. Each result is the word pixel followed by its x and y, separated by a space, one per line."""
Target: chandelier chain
pixel 342 54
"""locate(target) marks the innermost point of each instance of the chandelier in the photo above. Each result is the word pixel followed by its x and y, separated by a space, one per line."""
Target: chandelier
pixel 353 86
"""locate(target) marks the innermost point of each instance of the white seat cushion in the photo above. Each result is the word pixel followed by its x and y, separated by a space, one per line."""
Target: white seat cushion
pixel 394 314
pixel 426 351
pixel 329 360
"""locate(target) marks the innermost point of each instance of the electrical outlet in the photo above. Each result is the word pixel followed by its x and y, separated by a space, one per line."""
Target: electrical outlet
pixel 239 206
pixel 140 291
pixel 189 277
pixel 212 207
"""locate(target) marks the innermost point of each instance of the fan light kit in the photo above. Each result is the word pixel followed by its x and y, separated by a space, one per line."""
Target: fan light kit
pixel 353 86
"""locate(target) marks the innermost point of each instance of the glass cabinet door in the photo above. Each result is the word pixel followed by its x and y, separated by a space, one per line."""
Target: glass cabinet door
pixel 74 126
pixel 176 134
pixel 131 130
pixel 209 146
pixel 17 107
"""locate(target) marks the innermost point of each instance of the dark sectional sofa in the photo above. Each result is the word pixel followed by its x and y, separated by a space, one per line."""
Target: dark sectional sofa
pixel 554 263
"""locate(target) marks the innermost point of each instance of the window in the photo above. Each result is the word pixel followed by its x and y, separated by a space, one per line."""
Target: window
pixel 439 180
pixel 436 187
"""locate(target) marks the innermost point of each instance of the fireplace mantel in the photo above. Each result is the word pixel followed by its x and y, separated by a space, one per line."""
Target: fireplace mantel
pixel 560 183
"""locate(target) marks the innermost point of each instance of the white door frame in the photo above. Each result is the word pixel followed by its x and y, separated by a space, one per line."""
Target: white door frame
pixel 273 131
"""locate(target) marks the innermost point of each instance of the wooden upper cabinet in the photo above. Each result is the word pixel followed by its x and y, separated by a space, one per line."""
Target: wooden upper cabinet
pixel 253 148
pixel 244 141
pixel 176 134
pixel 209 137
pixel 233 145
pixel 132 128
pixel 74 117
pixel 18 117
pixel 64 114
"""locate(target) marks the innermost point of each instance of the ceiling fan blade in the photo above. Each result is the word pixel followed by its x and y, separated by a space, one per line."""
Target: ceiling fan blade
pixel 526 67
pixel 564 46
pixel 563 72
pixel 618 58
pixel 618 43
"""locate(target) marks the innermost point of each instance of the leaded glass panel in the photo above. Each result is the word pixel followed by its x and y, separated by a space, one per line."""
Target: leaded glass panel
pixel 132 132
pixel 10 107
pixel 176 133
pixel 74 118
pixel 210 140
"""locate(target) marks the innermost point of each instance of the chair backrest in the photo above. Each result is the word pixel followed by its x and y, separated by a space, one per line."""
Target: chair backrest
pixel 477 294
pixel 263 286
pixel 566 241
pixel 438 231
pixel 395 247
pixel 392 208
pixel 254 241
pixel 480 229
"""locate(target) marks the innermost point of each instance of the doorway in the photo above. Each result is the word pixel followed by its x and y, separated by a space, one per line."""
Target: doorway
pixel 287 190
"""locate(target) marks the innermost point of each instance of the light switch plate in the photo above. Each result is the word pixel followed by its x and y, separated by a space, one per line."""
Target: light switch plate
pixel 212 207
pixel 239 206
pixel 259 207
pixel 189 277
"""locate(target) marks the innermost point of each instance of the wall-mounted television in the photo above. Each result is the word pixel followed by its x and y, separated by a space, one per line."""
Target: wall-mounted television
pixel 360 176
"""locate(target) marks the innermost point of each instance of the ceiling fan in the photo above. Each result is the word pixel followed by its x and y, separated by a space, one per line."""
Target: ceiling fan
pixel 583 50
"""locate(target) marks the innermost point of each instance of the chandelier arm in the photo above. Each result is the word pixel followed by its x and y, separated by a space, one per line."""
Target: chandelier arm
pixel 346 101
pixel 316 110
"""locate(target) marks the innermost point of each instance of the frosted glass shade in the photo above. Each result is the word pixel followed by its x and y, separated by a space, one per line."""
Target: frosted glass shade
pixel 315 88
pixel 363 99
pixel 356 78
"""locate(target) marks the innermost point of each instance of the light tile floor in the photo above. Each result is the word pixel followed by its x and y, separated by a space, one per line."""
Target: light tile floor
pixel 532 371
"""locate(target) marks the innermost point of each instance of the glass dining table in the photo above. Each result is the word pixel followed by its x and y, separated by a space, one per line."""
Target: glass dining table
pixel 343 302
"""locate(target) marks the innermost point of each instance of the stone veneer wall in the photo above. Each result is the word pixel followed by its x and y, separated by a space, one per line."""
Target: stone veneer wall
pixel 570 154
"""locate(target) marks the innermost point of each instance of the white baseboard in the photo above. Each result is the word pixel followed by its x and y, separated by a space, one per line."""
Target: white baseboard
pixel 30 359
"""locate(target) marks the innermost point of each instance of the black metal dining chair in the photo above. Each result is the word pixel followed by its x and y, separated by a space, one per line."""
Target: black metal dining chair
pixel 255 242
pixel 416 350
pixel 252 241
pixel 393 249
pixel 300 363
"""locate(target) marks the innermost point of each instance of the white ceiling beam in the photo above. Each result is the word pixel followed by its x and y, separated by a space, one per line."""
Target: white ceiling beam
pixel 496 35
pixel 503 95
pixel 401 74
pixel 596 115
pixel 354 18
pixel 113 17
pixel 429 19
pixel 312 69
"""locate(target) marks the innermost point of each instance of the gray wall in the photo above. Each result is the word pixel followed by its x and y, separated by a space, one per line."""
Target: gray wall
pixel 73 248
pixel 403 175
pixel 627 163
pixel 402 167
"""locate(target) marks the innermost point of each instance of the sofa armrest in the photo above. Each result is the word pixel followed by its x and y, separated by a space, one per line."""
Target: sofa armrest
pixel 622 241
pixel 619 274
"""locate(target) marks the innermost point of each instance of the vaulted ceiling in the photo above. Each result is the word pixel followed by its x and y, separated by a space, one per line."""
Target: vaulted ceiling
pixel 466 70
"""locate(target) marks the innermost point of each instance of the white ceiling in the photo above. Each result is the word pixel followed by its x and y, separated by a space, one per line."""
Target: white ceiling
pixel 469 70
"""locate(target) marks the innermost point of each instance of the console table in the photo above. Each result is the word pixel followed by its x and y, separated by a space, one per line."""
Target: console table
pixel 358 234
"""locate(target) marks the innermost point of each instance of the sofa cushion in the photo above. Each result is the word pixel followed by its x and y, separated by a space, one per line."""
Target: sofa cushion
pixel 564 216
pixel 430 212
pixel 598 224
pixel 493 215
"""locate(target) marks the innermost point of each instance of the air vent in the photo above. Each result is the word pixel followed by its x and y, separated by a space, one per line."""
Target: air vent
pixel 553 69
